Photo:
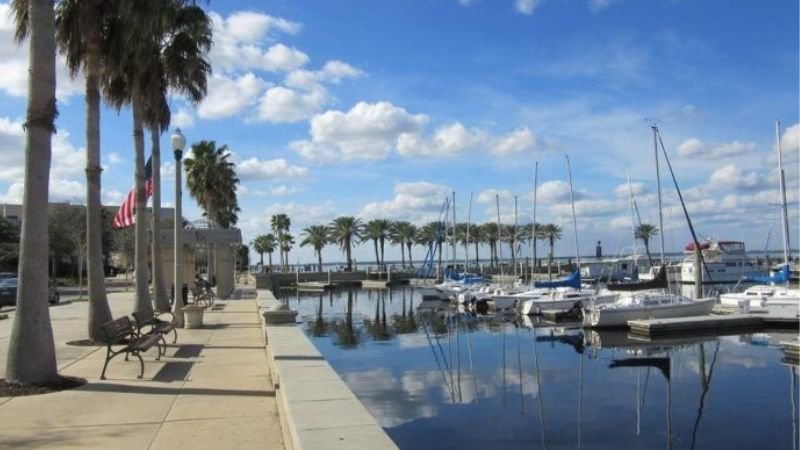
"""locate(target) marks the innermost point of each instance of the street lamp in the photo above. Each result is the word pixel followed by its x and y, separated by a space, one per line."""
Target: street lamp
pixel 178 144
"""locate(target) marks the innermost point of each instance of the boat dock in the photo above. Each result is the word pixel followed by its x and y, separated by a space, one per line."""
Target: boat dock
pixel 711 324
pixel 382 284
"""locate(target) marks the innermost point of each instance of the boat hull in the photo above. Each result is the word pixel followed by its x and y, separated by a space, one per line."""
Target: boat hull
pixel 619 317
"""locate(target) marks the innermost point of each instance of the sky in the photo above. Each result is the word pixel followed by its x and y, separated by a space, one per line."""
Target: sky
pixel 382 109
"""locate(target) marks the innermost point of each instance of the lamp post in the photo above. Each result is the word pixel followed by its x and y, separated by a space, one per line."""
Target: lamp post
pixel 178 144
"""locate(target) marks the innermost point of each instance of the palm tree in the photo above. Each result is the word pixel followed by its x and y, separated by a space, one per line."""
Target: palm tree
pixel 212 182
pixel 490 231
pixel 31 351
pixel 80 33
pixel 644 232
pixel 536 230
pixel 285 243
pixel 270 243
pixel 402 234
pixel 161 44
pixel 477 237
pixel 280 223
pixel 377 230
pixel 432 234
pixel 317 237
pixel 344 231
pixel 514 235
pixel 260 245
pixel 551 232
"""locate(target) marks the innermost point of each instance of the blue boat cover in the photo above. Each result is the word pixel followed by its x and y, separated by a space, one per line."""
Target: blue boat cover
pixel 464 277
pixel 573 280
pixel 781 276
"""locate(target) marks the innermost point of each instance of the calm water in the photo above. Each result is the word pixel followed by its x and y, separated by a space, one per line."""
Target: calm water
pixel 451 380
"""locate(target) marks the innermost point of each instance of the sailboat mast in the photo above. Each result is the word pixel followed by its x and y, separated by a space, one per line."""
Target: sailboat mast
pixel 513 238
pixel 466 238
pixel 633 218
pixel 784 212
pixel 534 238
pixel 574 220
pixel 454 231
pixel 499 236
pixel 658 182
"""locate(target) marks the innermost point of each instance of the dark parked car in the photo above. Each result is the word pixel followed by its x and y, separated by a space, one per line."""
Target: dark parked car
pixel 8 292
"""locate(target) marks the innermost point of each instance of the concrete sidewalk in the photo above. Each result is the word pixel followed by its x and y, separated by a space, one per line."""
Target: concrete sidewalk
pixel 212 390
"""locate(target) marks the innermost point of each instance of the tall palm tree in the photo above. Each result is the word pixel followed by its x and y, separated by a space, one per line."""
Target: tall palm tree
pixel 317 237
pixel 535 234
pixel 346 230
pixel 490 231
pixel 260 244
pixel 81 33
pixel 551 232
pixel 377 230
pixel 402 234
pixel 212 182
pixel 285 242
pixel 644 232
pixel 514 235
pixel 280 223
pixel 270 244
pixel 477 237
pixel 432 234
pixel 31 351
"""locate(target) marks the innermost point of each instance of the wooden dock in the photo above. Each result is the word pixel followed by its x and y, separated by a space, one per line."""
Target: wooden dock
pixel 709 324
pixel 382 284
pixel 314 286
pixel 791 349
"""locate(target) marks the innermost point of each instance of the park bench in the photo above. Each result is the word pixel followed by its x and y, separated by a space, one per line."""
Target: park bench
pixel 146 318
pixel 121 332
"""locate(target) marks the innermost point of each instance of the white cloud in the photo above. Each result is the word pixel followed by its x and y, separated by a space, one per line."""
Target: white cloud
pixel 449 140
pixel 695 148
pixel 183 118
pixel 256 169
pixel 733 177
pixel 526 7
pixel 517 141
pixel 556 191
pixel 623 190
pixel 599 5
pixel 368 131
pixel 229 96
pixel 14 64
pixel 418 202
pixel 489 196
pixel 332 72
pixel 284 105
pixel 240 41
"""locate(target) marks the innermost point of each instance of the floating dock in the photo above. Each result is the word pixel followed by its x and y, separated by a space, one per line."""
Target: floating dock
pixel 710 324
pixel 315 286
pixel 382 284
pixel 792 350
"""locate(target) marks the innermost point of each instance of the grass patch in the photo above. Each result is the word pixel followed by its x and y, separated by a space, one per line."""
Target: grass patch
pixel 8 389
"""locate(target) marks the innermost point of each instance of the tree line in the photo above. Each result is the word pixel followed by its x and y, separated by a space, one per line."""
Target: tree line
pixel 348 231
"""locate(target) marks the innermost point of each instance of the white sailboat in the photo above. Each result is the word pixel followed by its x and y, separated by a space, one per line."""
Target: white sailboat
pixel 773 295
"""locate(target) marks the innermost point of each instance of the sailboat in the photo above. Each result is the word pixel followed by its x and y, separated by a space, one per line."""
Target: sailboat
pixel 650 304
pixel 565 293
pixel 773 291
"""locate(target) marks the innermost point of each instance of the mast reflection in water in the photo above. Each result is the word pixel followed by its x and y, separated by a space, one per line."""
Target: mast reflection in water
pixel 445 379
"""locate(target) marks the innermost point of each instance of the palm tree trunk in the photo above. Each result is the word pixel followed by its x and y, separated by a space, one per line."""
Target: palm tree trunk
pixel 647 249
pixel 377 258
pixel 347 252
pixel 319 258
pixel 270 261
pixel 402 255
pixel 161 301
pixel 99 311
pixel 141 272
pixel 476 254
pixel 410 260
pixel 262 258
pixel 31 352
pixel 383 261
pixel 550 260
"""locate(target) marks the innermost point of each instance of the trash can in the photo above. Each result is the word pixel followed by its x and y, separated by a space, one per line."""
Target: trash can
pixel 194 316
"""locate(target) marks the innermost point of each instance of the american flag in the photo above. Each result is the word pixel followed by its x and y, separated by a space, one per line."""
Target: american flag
pixel 126 216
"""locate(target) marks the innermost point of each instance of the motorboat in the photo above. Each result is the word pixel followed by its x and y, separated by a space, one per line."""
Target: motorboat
pixel 646 305
pixel 725 262
pixel 762 296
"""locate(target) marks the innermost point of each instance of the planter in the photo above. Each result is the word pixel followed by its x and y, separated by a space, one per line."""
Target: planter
pixel 193 316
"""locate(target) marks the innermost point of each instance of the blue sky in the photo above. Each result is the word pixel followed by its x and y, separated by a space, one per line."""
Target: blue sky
pixel 382 108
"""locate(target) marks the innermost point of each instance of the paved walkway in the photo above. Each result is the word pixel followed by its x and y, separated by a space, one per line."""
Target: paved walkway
pixel 212 390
